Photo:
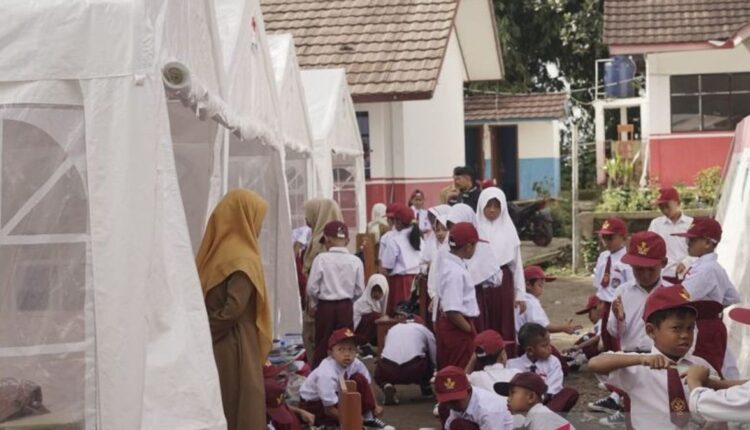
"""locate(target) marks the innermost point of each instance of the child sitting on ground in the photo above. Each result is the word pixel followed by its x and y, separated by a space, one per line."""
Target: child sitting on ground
pixel 319 394
pixel 526 393
pixel 587 346
pixel 281 415
pixel 368 309
pixel 490 358
pixel 463 407
pixel 534 342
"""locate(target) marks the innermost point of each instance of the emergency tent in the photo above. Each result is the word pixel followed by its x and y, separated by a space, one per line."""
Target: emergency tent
pixel 255 158
pixel 100 302
pixel 337 155
pixel 734 249
pixel 295 123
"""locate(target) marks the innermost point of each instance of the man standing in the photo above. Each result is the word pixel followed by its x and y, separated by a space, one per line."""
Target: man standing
pixel 672 221
pixel 464 178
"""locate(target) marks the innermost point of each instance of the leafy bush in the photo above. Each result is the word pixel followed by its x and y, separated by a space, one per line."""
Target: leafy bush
pixel 562 216
pixel 707 183
pixel 590 252
pixel 620 199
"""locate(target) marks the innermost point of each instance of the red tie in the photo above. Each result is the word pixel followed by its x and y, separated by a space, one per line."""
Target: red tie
pixel 607 269
pixel 679 412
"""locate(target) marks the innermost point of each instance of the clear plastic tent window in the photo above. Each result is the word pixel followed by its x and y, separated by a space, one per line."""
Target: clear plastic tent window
pixel 46 306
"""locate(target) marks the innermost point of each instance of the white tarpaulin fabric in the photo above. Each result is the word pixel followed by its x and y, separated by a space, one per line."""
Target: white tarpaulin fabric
pixel 256 162
pixel 295 123
pixel 734 249
pixel 335 131
pixel 100 301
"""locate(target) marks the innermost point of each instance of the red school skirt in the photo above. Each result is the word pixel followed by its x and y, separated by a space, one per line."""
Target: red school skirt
pixel 497 311
pixel 399 290
pixel 711 343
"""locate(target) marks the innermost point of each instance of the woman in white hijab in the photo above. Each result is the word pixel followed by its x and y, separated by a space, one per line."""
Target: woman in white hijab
pixel 496 227
pixel 369 307
pixel 378 224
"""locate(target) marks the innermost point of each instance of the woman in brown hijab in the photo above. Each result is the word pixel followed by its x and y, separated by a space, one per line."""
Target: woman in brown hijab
pixel 318 213
pixel 231 273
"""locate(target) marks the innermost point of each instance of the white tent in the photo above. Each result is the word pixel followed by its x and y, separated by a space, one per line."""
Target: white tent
pixel 255 158
pixel 295 123
pixel 100 301
pixel 337 144
pixel 734 249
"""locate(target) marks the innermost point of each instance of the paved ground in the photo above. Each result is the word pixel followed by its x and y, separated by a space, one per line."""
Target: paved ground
pixel 562 298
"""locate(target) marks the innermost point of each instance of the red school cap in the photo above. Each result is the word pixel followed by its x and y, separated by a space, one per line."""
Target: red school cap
pixel 528 380
pixel 489 341
pixel 646 249
pixel 404 214
pixel 704 227
pixel 341 335
pixel 741 315
pixel 335 229
pixel 463 233
pixel 592 303
pixel 390 209
pixel 276 407
pixel 668 194
pixel 676 296
pixel 532 273
pixel 614 226
pixel 451 384
pixel 270 371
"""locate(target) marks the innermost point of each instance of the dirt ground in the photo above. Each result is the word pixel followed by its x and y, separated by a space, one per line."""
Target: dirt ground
pixel 561 299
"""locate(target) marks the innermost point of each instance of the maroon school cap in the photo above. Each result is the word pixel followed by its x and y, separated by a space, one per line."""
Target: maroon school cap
pixel 489 341
pixel 404 214
pixel 342 335
pixel 741 315
pixel 613 226
pixel 592 303
pixel 390 209
pixel 275 406
pixel 704 227
pixel 676 296
pixel 646 249
pixel 335 229
pixel 528 380
pixel 668 194
pixel 451 384
pixel 463 233
pixel 532 273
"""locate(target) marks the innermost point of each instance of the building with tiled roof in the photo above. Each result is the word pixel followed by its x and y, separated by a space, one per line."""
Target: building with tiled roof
pixel 515 140
pixel 406 63
pixel 693 70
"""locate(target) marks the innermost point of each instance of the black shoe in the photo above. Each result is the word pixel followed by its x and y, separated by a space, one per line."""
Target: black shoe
pixel 426 390
pixel 606 404
pixel 390 395
pixel 377 424
pixel 366 352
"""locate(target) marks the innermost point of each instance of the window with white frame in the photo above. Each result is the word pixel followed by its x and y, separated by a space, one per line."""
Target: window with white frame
pixel 709 102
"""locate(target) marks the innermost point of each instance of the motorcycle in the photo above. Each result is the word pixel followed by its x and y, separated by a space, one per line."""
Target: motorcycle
pixel 533 221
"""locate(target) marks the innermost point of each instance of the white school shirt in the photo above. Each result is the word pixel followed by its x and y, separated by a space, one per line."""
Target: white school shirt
pixel 423 220
pixel 398 255
pixel 707 280
pixel 598 328
pixel 534 312
pixel 550 370
pixel 730 405
pixel 323 382
pixel 647 389
pixel 619 273
pixel 335 275
pixel 302 235
pixel 455 289
pixel 490 375
pixel 677 250
pixel 486 409
pixel 383 243
pixel 632 331
pixel 541 417
pixel 408 340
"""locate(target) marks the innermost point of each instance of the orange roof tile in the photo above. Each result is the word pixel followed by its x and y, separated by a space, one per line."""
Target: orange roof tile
pixel 507 106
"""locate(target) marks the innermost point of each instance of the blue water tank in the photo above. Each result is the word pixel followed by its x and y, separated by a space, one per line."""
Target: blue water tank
pixel 618 77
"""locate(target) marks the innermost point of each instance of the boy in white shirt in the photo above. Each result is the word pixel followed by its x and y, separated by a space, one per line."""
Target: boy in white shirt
pixel 525 393
pixel 731 400
pixel 587 346
pixel 609 273
pixel 408 356
pixel 463 407
pixel 707 280
pixel 673 220
pixel 657 391
pixel 337 278
pixel 319 394
pixel 534 341
pixel 536 280
pixel 490 358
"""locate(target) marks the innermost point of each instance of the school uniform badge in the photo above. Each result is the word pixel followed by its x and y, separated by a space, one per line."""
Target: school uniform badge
pixel 449 384
pixel 678 406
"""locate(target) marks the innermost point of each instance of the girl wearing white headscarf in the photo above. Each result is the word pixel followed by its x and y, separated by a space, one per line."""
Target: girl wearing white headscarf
pixel 378 222
pixel 496 227
pixel 438 217
pixel 369 307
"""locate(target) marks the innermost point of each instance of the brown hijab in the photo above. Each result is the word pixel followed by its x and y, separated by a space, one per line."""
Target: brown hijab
pixel 230 245
pixel 318 213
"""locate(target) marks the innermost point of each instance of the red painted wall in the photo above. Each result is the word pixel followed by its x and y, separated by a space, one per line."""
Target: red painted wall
pixel 399 190
pixel 676 160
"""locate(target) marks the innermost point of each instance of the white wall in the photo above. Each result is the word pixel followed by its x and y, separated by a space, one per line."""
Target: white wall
pixel 434 129
pixel 661 66
pixel 538 139
pixel 386 128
